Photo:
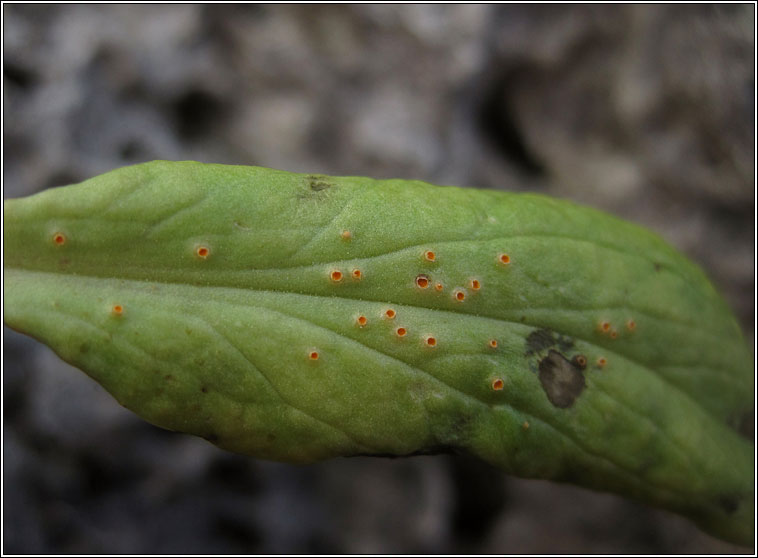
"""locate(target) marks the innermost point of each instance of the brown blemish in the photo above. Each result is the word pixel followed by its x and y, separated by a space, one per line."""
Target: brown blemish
pixel 541 339
pixel 631 325
pixel 204 389
pixel 602 361
pixel 346 235
pixel 438 287
pixel 580 361
pixel 561 379
pixel 604 326
pixel 318 183
pixel 613 334
pixel 525 425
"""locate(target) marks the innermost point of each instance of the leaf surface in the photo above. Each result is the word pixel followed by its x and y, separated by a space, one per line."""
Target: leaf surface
pixel 300 317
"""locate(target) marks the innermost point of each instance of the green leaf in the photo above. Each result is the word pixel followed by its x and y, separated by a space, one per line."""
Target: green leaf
pixel 300 317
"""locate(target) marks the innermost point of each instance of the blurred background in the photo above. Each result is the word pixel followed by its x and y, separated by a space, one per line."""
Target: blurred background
pixel 644 111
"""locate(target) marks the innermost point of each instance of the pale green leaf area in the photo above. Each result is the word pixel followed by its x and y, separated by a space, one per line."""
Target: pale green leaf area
pixel 250 306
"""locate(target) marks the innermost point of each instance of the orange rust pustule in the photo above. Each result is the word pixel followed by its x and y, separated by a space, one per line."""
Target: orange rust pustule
pixel 422 281
pixel 459 295
pixel 336 275
pixel 59 239
pixel 356 274
pixel 498 384
pixel 504 259
pixel 430 256
pixel 202 252
pixel 430 341
pixel 361 320
pixel 492 343
pixel 390 313
pixel 117 310
pixel 476 284
pixel 313 355
pixel 401 332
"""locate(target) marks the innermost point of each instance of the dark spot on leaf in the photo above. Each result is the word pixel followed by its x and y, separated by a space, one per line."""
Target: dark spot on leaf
pixel 204 389
pixel 541 339
pixel 432 450
pixel 657 266
pixel 168 377
pixel 729 504
pixel 317 183
pixel 744 424
pixel 561 379
pixel 84 348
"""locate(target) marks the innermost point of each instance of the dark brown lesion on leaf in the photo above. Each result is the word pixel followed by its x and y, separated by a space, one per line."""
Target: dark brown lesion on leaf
pixel 541 339
pixel 744 424
pixel 318 183
pixel 562 379
pixel 729 504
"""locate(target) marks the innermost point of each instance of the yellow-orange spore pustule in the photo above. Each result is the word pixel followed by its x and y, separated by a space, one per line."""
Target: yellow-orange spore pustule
pixel 430 341
pixel 335 275
pixel 430 256
pixel 459 295
pixel 117 310
pixel 525 425
pixel 631 325
pixel 59 239
pixel 356 274
pixel 503 259
pixel 492 343
pixel 613 334
pixel 202 252
pixel 602 361
pixel 475 284
pixel 604 326
pixel 361 320
pixel 346 235
pixel 389 313
pixel 438 287
pixel 422 281
pixel 498 384
pixel 401 332
pixel 313 354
